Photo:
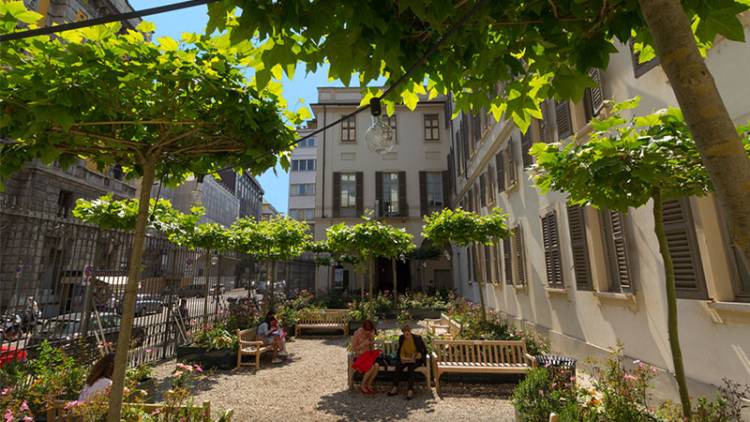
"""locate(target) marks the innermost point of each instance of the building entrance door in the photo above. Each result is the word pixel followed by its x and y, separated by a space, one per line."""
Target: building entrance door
pixel 385 275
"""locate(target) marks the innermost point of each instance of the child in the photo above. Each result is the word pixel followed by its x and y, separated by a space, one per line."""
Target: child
pixel 278 331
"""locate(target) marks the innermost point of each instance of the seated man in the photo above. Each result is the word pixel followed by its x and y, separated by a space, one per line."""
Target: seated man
pixel 270 336
pixel 411 354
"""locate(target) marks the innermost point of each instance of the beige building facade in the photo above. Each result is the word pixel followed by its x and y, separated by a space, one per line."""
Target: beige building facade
pixel 592 279
pixel 398 187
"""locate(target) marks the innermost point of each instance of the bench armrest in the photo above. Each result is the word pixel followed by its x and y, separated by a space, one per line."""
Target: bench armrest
pixel 251 343
pixel 531 359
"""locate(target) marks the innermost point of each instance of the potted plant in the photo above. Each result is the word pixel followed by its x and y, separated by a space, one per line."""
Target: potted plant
pixel 142 377
pixel 211 348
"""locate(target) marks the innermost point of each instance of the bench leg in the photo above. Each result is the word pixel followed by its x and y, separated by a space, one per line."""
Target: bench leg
pixel 297 331
pixel 239 359
pixel 257 360
pixel 346 330
pixel 437 383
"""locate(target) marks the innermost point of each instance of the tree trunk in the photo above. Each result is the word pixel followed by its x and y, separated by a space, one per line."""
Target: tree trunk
pixel 372 274
pixel 131 291
pixel 481 300
pixel 705 113
pixel 269 285
pixel 395 281
pixel 206 290
pixel 674 339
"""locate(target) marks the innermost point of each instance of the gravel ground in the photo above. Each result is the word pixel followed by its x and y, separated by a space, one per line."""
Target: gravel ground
pixel 311 386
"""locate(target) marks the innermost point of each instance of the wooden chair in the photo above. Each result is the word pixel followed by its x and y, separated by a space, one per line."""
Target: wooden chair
pixel 323 319
pixel 390 348
pixel 249 346
pixel 480 356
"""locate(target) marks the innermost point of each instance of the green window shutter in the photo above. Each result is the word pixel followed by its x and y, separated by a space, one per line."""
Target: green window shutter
pixel 563 119
pixel 359 177
pixel 508 261
pixel 683 249
pixel 336 194
pixel 551 241
pixel 520 256
pixel 403 207
pixel 579 247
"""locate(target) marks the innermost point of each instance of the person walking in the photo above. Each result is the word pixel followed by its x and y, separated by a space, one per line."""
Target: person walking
pixel 411 354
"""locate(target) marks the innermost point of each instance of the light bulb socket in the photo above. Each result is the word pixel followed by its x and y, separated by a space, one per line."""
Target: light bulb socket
pixel 375 108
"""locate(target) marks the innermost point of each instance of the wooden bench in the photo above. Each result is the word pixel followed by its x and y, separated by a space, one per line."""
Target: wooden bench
pixel 249 346
pixel 480 356
pixel 390 348
pixel 324 319
pixel 58 412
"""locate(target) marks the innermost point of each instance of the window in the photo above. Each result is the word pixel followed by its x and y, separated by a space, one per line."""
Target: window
pixel 519 256
pixel 640 69
pixel 348 194
pixel 390 195
pixel 307 143
pixel 500 163
pixel 552 258
pixel 616 248
pixel 579 247
pixel 490 175
pixel 65 203
pixel 349 130
pixel 483 189
pixel 432 191
pixel 431 127
pixel 593 98
pixel 302 213
pixel 511 166
pixel 476 130
pixel 302 189
pixel 303 165
pixel 526 142
pixel 683 249
pixel 392 123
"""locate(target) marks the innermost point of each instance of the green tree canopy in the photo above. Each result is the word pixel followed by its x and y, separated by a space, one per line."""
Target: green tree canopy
pixel 120 214
pixel 465 227
pixel 277 239
pixel 368 240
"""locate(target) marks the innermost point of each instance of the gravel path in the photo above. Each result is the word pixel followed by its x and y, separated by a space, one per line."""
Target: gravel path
pixel 311 386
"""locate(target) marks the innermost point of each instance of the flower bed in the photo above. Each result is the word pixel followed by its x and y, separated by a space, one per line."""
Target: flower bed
pixel 618 393
pixel 213 347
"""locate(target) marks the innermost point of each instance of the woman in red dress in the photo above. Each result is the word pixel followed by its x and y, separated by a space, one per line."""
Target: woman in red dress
pixel 363 341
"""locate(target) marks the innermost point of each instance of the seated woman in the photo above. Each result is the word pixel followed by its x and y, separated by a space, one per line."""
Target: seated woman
pixel 411 354
pixel 100 377
pixel 363 341
pixel 271 337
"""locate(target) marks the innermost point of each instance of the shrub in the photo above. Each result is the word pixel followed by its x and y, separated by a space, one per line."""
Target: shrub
pixel 403 316
pixel 243 314
pixel 538 395
pixel 215 338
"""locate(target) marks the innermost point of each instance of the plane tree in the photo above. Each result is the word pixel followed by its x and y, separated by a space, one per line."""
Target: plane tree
pixel 463 228
pixel 535 49
pixel 163 109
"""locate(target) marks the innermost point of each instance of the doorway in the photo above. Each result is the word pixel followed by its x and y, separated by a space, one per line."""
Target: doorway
pixel 385 275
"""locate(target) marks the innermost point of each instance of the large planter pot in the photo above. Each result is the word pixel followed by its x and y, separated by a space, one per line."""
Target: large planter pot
pixel 207 359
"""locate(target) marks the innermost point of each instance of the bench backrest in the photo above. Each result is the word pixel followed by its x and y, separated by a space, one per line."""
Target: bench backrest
pixel 480 351
pixel 338 316
pixel 249 334
pixel 388 347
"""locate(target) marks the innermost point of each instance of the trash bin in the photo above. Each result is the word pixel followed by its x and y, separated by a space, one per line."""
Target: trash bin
pixel 560 367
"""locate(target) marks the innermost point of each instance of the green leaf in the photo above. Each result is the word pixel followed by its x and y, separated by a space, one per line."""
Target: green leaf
pixel 168 43
pixel 147 27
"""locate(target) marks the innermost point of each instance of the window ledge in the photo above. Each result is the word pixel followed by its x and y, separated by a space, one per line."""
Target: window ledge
pixel 628 297
pixel 520 288
pixel 723 312
pixel 556 290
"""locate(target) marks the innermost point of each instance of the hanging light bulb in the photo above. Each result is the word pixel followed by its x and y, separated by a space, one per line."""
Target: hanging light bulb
pixel 379 135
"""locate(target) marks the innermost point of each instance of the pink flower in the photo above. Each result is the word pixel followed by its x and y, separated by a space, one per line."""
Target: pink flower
pixel 24 406
pixel 4 391
pixel 8 415
pixel 178 373
pixel 28 419
pixel 629 377
pixel 149 350
pixel 198 369
pixel 71 404
pixel 184 367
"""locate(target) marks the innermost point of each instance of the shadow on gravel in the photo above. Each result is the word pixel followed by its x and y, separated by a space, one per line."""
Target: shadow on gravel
pixel 352 406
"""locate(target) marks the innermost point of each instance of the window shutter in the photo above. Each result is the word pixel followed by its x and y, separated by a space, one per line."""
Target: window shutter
pixel 526 142
pixel 500 171
pixel 520 255
pixel 465 136
pixel 618 251
pixel 447 189
pixel 424 207
pixel 562 117
pixel 359 177
pixel 483 189
pixel 336 194
pixel 594 97
pixel 543 137
pixel 581 265
pixel 403 207
pixel 512 163
pixel 552 250
pixel 379 193
pixel 683 248
pixel 508 261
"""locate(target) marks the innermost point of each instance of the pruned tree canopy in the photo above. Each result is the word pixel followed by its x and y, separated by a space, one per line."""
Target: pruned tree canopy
pixel 465 227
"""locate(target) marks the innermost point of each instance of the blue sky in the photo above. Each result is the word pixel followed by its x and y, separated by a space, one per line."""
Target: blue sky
pixel 276 184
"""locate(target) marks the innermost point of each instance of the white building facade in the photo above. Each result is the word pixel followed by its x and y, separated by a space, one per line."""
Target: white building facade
pixel 302 186
pixel 399 187
pixel 592 279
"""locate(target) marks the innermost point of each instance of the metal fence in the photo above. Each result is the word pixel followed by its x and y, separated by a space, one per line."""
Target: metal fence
pixel 54 268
